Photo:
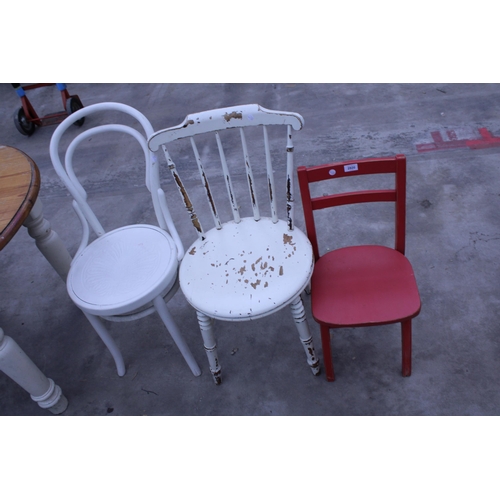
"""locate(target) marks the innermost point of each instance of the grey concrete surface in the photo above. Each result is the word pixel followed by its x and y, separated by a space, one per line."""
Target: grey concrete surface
pixel 453 237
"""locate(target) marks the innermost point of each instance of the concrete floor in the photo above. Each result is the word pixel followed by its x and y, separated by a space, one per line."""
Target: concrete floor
pixel 453 236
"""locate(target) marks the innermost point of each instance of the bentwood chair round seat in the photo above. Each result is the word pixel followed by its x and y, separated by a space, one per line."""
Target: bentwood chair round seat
pixel 123 270
pixel 131 271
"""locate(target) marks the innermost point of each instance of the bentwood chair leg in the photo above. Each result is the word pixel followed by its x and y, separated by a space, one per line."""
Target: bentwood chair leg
pixel 176 335
pixel 101 330
pixel 327 353
pixel 406 347
pixel 207 332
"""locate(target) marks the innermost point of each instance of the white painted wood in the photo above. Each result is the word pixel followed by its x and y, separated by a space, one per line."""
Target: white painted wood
pixel 47 240
pixel 289 180
pixel 270 178
pixel 123 270
pixel 250 177
pixel 247 270
pixel 247 115
pixel 108 341
pixel 15 363
pixel 126 273
pixel 185 196
pixel 248 267
pixel 207 331
pixel 299 316
pixel 227 179
pixel 204 180
pixel 176 335
pixel 162 198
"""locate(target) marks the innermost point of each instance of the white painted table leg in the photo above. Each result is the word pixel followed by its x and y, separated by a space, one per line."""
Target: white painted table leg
pixel 15 364
pixel 48 241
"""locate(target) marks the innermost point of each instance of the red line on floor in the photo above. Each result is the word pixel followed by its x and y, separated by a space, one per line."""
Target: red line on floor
pixel 488 140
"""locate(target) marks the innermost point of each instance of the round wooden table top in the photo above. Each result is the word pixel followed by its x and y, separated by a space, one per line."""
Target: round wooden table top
pixel 19 186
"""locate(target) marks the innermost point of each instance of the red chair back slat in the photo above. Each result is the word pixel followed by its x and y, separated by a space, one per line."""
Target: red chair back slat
pixel 393 165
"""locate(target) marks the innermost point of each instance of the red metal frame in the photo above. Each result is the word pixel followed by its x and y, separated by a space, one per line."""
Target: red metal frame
pixel 50 119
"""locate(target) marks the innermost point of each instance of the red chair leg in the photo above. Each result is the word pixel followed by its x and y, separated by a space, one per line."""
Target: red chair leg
pixel 406 345
pixel 327 353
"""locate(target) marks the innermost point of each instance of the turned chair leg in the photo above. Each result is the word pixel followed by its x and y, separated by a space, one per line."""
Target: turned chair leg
pixel 327 353
pixel 207 332
pixel 406 347
pixel 299 316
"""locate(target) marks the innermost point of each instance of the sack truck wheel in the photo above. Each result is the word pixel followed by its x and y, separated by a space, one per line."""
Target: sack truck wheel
pixel 23 125
pixel 73 104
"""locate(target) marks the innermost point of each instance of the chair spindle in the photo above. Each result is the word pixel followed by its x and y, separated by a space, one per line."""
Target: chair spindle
pixel 289 179
pixel 206 185
pixel 270 177
pixel 227 179
pixel 185 197
pixel 250 178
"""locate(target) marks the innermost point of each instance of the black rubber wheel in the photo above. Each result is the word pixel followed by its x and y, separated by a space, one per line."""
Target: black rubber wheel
pixel 73 104
pixel 22 123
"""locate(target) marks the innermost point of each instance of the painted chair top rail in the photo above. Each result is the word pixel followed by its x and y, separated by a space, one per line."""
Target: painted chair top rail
pixel 224 118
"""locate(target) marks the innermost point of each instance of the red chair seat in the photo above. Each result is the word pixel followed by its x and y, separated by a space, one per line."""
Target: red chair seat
pixel 363 286
pixel 360 285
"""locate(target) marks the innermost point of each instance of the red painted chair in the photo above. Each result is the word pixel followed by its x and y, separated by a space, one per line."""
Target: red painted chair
pixel 361 285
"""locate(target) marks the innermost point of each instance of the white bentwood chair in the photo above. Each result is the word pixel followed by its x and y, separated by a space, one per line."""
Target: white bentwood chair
pixel 247 267
pixel 131 271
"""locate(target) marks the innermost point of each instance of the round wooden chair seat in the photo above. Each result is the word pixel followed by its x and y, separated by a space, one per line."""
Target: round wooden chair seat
pixel 247 269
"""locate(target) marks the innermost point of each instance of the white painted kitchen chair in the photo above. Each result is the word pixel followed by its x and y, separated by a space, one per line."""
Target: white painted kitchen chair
pixel 247 267
pixel 129 272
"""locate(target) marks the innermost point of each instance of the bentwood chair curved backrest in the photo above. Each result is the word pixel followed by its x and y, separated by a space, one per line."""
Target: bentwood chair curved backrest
pixel 131 271
pixel 360 285
pixel 248 266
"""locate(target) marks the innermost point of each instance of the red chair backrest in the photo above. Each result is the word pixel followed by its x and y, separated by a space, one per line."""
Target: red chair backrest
pixel 395 165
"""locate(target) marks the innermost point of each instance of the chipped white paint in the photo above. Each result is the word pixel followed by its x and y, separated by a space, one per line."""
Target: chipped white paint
pixel 207 332
pixel 250 177
pixel 289 179
pixel 204 181
pixel 299 316
pixel 248 267
pixel 247 270
pixel 270 178
pixel 224 118
pixel 227 179
pixel 185 196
